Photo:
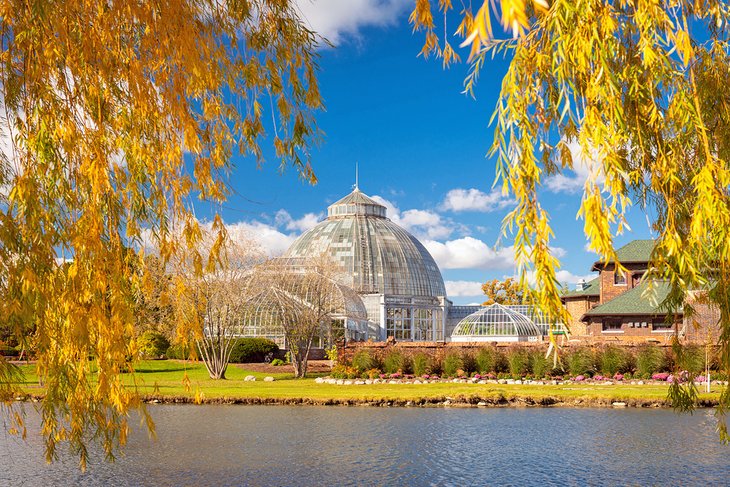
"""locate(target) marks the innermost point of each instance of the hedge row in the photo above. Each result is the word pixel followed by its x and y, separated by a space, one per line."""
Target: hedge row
pixel 245 350
pixel 518 362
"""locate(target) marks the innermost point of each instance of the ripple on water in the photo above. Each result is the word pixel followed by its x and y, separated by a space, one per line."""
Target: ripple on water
pixel 281 445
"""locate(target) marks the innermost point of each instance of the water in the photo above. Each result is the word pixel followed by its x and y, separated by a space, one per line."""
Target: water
pixel 282 445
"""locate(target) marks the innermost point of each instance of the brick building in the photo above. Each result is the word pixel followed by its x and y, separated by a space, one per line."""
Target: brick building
pixel 624 306
pixel 585 297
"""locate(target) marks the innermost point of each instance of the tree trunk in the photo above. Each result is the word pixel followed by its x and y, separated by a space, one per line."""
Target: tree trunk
pixel 300 358
pixel 214 362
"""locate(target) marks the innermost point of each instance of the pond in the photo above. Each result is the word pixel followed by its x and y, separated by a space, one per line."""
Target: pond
pixel 285 445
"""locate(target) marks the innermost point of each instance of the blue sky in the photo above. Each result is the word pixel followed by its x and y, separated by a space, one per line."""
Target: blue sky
pixel 421 147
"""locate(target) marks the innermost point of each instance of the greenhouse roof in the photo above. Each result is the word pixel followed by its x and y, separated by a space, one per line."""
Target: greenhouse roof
pixel 496 321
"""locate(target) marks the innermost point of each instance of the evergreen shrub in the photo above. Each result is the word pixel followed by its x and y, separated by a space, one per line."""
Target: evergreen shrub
pixel 252 349
pixel 649 360
pixel 395 361
pixel 615 360
pixel 541 366
pixel 518 362
pixel 362 360
pixel 692 359
pixel 580 361
pixel 486 360
pixel 452 363
pixel 468 363
pixel 422 364
pixel 501 366
pixel 152 344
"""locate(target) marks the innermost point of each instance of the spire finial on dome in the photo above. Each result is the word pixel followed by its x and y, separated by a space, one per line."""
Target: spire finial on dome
pixel 357 177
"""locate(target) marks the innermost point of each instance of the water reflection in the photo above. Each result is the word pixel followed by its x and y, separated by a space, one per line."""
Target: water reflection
pixel 281 445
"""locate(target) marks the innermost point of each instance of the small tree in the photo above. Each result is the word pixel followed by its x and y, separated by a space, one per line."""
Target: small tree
pixel 212 300
pixel 508 291
pixel 302 297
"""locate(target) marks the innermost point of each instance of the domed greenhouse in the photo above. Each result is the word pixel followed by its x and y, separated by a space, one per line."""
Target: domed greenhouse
pixel 390 285
pixel 397 279
pixel 496 323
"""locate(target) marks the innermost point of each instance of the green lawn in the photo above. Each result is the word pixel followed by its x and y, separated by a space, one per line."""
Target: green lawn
pixel 164 379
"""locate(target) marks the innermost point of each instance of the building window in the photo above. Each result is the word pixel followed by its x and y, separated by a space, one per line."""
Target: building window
pixel 398 323
pixel 661 325
pixel 611 326
pixel 619 279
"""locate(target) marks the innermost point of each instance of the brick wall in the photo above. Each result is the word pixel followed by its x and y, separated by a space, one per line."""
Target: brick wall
pixel 703 325
pixel 609 289
pixel 629 333
pixel 439 349
pixel 577 308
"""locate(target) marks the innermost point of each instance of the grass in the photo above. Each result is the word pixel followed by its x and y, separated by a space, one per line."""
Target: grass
pixel 165 379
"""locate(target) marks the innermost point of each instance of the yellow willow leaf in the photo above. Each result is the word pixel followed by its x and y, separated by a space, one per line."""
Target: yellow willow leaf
pixel 541 5
pixel 683 44
pixel 421 16
pixel 514 16
pixel 199 396
pixel 481 31
pixel 112 143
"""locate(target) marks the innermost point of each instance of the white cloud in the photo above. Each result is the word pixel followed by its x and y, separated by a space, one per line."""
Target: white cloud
pixel 474 200
pixel 424 224
pixel 583 169
pixel 563 277
pixel 558 252
pixel 568 277
pixel 472 253
pixel 463 288
pixel 336 19
pixel 308 221
pixel 587 248
pixel 272 241
pixel 469 253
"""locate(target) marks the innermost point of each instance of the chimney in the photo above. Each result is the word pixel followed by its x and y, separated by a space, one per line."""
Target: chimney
pixel 581 285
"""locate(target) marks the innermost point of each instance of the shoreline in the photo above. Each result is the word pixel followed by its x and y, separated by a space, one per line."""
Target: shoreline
pixel 457 401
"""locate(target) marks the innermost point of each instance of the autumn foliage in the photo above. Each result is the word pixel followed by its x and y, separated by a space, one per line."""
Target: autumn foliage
pixel 505 292
pixel 641 87
pixel 116 114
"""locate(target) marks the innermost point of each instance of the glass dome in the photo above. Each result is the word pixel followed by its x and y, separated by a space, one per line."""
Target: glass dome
pixel 378 256
pixel 496 323
pixel 266 315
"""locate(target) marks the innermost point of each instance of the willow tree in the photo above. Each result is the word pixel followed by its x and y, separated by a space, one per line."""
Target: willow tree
pixel 114 115
pixel 641 87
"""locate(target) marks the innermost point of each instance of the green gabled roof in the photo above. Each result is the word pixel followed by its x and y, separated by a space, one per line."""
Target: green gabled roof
pixel 633 301
pixel 591 288
pixel 636 251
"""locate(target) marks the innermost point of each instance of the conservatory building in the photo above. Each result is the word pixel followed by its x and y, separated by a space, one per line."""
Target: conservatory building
pixel 389 285
pixel 390 271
